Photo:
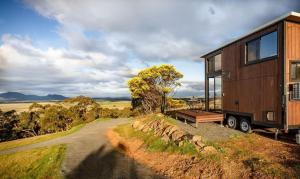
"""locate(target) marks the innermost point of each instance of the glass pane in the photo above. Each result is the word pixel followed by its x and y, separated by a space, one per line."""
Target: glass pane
pixel 295 71
pixel 211 92
pixel 211 65
pixel 252 50
pixel 268 45
pixel 218 62
pixel 218 93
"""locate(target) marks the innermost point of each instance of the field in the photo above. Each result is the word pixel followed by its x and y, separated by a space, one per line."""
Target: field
pixel 23 106
pixel 36 163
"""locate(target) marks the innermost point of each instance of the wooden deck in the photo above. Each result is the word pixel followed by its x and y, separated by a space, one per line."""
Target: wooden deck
pixel 199 116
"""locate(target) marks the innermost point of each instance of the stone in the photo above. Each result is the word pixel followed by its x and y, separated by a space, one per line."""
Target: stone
pixel 178 135
pixel 197 138
pixel 172 130
pixel 199 144
pixel 146 128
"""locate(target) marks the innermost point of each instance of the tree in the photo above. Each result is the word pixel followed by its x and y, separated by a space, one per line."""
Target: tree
pixel 151 86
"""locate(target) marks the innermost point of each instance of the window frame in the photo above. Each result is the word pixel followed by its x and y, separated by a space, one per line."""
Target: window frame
pixel 259 60
pixel 290 70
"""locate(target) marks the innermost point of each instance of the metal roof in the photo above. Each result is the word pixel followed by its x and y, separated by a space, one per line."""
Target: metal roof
pixel 290 16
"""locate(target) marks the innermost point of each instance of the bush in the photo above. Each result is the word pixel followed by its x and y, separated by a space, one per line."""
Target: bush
pixel 43 119
pixel 176 103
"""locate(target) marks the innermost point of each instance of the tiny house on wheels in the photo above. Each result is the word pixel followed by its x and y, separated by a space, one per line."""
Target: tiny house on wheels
pixel 255 80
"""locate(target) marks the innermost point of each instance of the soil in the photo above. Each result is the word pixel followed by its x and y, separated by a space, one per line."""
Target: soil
pixel 253 156
pixel 166 164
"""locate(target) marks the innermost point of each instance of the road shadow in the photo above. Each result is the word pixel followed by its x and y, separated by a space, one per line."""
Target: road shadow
pixel 105 164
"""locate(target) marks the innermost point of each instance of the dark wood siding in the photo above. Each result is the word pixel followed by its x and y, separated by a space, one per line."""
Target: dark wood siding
pixel 253 88
pixel 292 46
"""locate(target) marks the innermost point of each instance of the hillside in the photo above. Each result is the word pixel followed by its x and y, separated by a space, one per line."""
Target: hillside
pixel 15 96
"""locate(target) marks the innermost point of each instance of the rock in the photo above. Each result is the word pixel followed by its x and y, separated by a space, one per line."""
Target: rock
pixel 167 129
pixel 146 128
pixel 172 130
pixel 197 138
pixel 177 135
pixel 199 144
pixel 209 150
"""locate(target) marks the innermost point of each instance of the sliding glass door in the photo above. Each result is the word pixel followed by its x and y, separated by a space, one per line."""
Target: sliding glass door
pixel 215 93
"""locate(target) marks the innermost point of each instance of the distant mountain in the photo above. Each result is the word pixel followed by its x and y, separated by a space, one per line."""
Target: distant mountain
pixel 15 96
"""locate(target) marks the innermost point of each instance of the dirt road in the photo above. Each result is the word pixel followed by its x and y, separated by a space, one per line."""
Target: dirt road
pixel 90 155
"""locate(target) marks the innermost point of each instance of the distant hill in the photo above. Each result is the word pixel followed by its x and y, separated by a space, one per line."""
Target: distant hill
pixel 15 96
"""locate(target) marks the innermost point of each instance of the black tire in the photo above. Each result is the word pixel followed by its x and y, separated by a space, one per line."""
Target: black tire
pixel 232 122
pixel 245 125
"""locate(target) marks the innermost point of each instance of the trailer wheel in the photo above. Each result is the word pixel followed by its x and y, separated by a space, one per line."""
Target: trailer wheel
pixel 245 125
pixel 231 122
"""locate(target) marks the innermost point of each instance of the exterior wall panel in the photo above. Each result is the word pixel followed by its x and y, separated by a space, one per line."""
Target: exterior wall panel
pixel 292 46
pixel 255 88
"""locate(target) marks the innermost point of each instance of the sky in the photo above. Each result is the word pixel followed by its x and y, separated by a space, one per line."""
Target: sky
pixel 92 47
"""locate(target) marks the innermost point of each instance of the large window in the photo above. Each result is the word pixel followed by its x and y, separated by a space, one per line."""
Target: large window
pixel 262 47
pixel 214 63
pixel 295 71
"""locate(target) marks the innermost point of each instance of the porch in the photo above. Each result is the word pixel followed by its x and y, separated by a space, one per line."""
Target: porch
pixel 198 116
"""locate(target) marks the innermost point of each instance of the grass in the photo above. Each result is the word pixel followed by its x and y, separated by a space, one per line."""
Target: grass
pixel 36 163
pixel 37 139
pixel 154 143
pixel 19 107
pixel 115 104
pixel 22 106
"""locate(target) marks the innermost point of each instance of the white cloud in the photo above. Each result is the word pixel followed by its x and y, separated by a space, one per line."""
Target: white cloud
pixel 157 29
pixel 26 66
pixel 109 40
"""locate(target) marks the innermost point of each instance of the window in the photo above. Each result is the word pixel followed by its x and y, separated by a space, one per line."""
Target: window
pixel 268 45
pixel 214 63
pixel 262 47
pixel 295 71
pixel 253 50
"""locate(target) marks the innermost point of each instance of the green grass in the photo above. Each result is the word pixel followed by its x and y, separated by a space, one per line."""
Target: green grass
pixel 37 139
pixel 36 163
pixel 154 143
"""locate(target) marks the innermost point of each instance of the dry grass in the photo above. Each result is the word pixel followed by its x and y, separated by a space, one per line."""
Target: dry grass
pixel 20 107
pixel 115 104
pixel 36 163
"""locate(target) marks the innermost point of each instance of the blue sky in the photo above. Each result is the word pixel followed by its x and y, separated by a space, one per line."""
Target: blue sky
pixel 93 47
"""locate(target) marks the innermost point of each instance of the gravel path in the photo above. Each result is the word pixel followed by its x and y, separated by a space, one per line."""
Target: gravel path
pixel 209 131
pixel 90 155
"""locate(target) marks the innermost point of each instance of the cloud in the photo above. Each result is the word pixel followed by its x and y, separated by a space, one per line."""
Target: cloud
pixel 156 29
pixel 25 67
pixel 109 41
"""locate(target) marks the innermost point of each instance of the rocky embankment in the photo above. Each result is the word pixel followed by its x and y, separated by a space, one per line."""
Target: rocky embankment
pixel 169 132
